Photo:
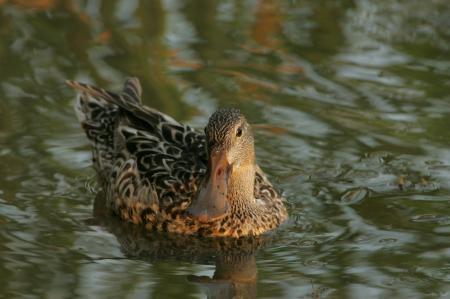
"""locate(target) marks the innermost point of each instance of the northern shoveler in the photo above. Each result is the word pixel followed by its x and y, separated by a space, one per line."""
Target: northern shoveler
pixel 171 177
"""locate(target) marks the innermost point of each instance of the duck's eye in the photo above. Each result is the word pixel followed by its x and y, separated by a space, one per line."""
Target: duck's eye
pixel 239 132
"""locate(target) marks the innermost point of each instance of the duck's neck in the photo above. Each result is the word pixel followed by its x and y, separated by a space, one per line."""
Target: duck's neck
pixel 241 187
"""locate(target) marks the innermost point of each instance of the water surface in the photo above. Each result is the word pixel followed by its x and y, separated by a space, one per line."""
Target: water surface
pixel 352 103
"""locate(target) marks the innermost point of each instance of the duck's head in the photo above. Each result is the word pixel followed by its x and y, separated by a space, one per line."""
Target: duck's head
pixel 231 165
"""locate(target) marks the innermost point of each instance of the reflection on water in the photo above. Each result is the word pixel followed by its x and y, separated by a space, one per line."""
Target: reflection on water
pixel 350 101
pixel 235 269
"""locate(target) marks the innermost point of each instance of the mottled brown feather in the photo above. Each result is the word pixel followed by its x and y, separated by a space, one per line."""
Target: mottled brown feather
pixel 151 166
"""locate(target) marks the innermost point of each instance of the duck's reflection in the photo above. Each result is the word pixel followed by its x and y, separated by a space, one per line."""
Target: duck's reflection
pixel 234 277
pixel 235 265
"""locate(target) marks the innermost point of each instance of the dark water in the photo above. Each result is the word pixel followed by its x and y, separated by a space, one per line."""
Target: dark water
pixel 352 99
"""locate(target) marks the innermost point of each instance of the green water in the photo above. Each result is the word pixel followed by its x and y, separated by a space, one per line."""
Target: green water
pixel 352 99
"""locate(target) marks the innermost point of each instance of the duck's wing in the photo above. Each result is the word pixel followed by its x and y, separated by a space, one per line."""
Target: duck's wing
pixel 268 197
pixel 150 149
pixel 147 119
pixel 264 190
pixel 174 171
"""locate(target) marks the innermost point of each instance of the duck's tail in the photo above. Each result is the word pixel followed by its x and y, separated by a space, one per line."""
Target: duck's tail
pixel 99 119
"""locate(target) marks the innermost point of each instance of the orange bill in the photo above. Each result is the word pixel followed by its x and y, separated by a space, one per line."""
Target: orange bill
pixel 211 203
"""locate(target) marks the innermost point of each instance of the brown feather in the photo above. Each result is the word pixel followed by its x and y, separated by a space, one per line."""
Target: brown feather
pixel 151 166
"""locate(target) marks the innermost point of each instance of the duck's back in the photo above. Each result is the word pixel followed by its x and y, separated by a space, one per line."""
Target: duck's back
pixel 147 162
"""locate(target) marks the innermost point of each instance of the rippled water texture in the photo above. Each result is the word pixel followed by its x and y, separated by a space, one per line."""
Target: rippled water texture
pixel 351 101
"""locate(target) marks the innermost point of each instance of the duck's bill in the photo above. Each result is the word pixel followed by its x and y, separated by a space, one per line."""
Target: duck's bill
pixel 211 203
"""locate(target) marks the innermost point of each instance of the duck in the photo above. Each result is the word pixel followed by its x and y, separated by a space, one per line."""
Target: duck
pixel 170 177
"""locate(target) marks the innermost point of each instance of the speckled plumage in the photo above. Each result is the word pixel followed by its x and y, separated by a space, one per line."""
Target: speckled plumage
pixel 152 167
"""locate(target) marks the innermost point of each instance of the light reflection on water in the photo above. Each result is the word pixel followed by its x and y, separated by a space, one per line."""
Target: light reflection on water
pixel 350 102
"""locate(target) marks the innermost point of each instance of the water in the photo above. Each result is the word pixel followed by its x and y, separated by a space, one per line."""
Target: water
pixel 350 101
